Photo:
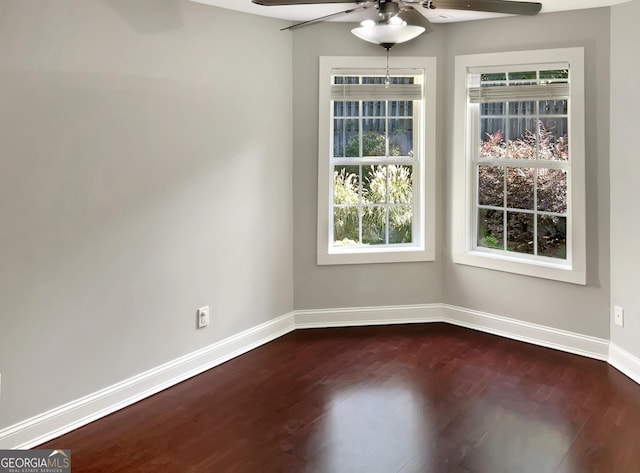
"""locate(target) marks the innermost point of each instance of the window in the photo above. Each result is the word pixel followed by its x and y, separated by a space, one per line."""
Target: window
pixel 519 163
pixel 376 199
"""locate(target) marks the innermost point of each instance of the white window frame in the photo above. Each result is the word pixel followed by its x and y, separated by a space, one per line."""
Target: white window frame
pixel 573 269
pixel 423 248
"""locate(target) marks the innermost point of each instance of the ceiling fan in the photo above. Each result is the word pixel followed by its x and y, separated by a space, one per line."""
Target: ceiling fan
pixel 399 20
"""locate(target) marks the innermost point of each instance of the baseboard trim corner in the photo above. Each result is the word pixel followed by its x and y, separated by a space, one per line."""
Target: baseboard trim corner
pixel 63 419
pixel 624 362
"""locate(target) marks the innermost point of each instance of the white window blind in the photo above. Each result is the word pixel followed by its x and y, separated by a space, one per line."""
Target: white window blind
pixel 507 93
pixel 353 92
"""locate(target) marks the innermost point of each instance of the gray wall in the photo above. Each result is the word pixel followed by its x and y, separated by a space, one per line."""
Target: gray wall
pixel 625 173
pixel 348 285
pixel 144 174
pixel 581 309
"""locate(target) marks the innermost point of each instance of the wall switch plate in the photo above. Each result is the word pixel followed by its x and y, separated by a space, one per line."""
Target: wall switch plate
pixel 618 315
pixel 203 316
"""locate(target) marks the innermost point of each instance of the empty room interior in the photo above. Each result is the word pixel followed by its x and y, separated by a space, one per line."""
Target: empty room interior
pixel 180 286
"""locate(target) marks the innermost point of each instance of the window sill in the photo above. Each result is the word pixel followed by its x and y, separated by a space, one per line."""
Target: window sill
pixel 374 255
pixel 556 272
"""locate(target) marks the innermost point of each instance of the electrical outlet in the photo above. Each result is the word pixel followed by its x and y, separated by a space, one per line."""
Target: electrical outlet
pixel 203 316
pixel 618 315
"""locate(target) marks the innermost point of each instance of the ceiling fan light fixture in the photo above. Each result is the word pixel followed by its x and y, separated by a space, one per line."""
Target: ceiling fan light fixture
pixel 386 35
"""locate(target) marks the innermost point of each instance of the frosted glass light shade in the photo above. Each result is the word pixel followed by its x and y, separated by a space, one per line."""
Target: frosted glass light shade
pixel 388 34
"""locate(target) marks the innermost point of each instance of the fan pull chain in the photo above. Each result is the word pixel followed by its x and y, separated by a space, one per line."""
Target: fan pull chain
pixel 387 80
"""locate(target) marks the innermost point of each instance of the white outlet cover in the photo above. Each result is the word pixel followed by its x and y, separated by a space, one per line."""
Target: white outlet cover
pixel 618 315
pixel 203 316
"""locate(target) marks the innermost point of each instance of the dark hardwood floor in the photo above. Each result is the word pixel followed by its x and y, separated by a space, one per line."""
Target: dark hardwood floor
pixel 393 399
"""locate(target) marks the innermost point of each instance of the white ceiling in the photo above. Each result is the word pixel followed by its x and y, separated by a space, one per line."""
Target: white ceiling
pixel 308 12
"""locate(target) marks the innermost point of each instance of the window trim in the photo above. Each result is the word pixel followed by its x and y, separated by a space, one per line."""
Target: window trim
pixel 425 249
pixel 573 270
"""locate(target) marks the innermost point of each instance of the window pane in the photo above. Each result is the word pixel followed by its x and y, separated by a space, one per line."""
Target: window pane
pixel 556 74
pixel 499 76
pixel 491 185
pixel 346 109
pixel 373 80
pixel 492 132
pixel 520 188
pixel 552 190
pixel 554 107
pixel 401 108
pixel 522 138
pixel 373 225
pixel 346 222
pixel 374 109
pixel 400 184
pixel 520 232
pixel 401 137
pixel 528 77
pixel 552 236
pixel 346 185
pixel 374 184
pixel 345 80
pixel 554 143
pixel 400 224
pixel 493 108
pixel 522 108
pixel 346 139
pixel 491 228
pixel 373 137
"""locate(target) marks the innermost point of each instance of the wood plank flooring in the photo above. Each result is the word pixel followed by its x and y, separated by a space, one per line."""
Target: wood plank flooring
pixel 394 399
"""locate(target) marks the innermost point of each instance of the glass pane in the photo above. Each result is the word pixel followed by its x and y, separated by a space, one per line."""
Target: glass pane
pixel 491 228
pixel 401 137
pixel 520 232
pixel 554 143
pixel 401 108
pixel 346 222
pixel 493 108
pixel 374 80
pixel 552 190
pixel 528 77
pixel 556 74
pixel 492 133
pixel 499 76
pixel 522 108
pixel 346 185
pixel 400 184
pixel 374 185
pixel 373 225
pixel 374 109
pixel 402 80
pixel 554 107
pixel 346 139
pixel 491 185
pixel 522 138
pixel 400 224
pixel 345 80
pixel 346 109
pixel 552 236
pixel 373 137
pixel 520 188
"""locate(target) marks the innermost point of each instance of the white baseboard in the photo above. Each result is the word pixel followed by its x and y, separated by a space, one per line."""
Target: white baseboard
pixel 70 416
pixel 625 362
pixel 535 334
pixel 511 328
pixel 63 419
pixel 358 316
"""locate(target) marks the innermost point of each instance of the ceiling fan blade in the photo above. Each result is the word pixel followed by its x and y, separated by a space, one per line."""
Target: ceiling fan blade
pixel 492 6
pixel 414 17
pixel 326 17
pixel 273 3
